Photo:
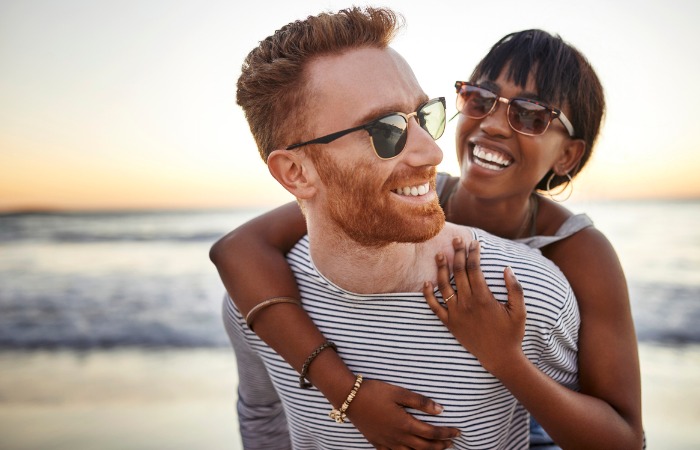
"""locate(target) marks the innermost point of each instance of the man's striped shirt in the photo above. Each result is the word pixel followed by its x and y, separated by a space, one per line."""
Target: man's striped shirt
pixel 396 338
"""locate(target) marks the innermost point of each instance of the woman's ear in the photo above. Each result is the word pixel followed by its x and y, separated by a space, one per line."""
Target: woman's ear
pixel 570 157
pixel 294 171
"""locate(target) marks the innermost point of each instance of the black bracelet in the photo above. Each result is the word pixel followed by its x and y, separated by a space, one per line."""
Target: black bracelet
pixel 305 368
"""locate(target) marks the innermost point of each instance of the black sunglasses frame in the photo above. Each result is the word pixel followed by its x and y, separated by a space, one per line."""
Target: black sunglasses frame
pixel 371 124
pixel 555 113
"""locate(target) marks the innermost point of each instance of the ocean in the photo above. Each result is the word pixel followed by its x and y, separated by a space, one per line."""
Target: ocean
pixel 143 279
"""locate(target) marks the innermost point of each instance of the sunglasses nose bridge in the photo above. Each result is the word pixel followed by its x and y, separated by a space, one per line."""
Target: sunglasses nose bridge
pixel 493 122
pixel 503 100
pixel 494 106
pixel 499 100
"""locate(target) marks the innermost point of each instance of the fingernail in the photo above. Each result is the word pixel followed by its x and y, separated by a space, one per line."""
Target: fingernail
pixel 473 244
pixel 439 408
pixel 457 240
pixel 440 257
pixel 426 285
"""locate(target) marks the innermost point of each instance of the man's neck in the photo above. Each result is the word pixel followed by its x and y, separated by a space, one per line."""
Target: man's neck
pixel 397 267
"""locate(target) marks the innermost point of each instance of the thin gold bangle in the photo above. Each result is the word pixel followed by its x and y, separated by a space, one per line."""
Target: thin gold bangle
pixel 264 304
pixel 339 414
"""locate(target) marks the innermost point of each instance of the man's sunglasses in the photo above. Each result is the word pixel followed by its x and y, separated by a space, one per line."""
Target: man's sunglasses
pixel 526 116
pixel 388 134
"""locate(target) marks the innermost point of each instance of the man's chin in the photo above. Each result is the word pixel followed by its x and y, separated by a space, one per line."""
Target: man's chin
pixel 416 230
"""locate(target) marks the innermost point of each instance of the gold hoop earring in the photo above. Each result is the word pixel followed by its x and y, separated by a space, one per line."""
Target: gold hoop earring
pixel 569 183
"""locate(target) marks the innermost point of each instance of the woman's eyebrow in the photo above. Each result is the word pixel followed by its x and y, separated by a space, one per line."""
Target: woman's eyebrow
pixel 531 95
pixel 492 86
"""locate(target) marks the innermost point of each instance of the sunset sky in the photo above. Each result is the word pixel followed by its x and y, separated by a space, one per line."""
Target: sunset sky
pixel 131 104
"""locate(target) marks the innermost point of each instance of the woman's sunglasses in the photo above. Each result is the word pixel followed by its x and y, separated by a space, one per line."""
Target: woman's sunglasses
pixel 525 116
pixel 388 133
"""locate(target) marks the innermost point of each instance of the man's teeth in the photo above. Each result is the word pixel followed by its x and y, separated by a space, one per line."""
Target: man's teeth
pixel 490 160
pixel 414 191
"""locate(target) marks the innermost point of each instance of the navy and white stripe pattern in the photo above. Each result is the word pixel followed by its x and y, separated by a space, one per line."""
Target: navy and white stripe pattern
pixel 396 338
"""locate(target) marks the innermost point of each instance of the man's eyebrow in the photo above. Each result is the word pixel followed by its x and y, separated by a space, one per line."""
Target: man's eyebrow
pixel 383 111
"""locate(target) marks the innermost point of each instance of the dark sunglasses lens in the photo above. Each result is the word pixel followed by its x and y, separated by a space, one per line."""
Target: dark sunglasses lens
pixel 475 102
pixel 388 135
pixel 529 117
pixel 432 117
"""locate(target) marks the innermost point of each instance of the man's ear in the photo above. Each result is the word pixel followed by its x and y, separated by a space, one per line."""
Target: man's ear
pixel 570 157
pixel 294 171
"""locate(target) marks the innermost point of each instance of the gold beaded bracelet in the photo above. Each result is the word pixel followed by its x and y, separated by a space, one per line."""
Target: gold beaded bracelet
pixel 339 414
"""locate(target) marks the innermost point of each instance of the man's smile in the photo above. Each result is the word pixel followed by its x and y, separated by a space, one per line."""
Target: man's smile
pixel 413 191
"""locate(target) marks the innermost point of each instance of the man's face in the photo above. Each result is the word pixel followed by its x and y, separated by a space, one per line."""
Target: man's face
pixel 375 202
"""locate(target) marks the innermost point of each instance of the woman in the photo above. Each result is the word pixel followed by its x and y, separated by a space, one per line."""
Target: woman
pixel 510 143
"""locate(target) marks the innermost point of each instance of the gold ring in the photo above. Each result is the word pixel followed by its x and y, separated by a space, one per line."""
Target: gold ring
pixel 450 297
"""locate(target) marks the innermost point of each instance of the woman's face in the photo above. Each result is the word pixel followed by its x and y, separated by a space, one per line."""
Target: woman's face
pixel 495 160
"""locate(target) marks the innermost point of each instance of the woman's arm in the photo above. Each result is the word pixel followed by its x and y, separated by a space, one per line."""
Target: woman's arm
pixel 253 268
pixel 606 413
pixel 608 355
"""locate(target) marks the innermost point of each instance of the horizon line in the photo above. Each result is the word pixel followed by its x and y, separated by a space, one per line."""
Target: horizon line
pixel 35 209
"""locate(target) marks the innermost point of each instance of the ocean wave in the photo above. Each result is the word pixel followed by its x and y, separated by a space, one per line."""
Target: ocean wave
pixel 78 237
pixel 118 227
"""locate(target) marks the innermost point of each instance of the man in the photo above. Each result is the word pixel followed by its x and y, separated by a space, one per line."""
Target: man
pixel 345 127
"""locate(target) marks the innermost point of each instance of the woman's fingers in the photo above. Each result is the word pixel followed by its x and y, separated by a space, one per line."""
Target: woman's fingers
pixel 516 297
pixel 459 267
pixel 443 275
pixel 433 303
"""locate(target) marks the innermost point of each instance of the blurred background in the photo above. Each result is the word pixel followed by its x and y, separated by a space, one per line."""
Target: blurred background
pixel 123 157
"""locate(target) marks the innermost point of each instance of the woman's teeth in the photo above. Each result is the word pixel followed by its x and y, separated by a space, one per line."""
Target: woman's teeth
pixel 489 159
pixel 413 191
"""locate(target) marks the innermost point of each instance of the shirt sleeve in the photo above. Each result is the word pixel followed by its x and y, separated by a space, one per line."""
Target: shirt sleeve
pixel 261 418
pixel 559 360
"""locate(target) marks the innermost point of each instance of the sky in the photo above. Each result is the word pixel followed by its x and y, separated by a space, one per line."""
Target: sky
pixel 131 104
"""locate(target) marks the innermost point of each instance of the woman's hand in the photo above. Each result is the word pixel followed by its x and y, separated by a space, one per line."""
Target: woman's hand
pixel 490 330
pixel 378 413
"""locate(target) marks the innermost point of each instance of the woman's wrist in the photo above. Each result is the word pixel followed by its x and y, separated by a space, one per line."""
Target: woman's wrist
pixel 506 364
pixel 332 377
pixel 339 414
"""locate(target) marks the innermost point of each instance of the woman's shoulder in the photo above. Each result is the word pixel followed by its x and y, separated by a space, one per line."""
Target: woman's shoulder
pixel 574 237
pixel 555 223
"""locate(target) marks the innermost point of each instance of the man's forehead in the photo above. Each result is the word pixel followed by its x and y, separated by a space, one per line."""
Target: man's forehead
pixel 366 81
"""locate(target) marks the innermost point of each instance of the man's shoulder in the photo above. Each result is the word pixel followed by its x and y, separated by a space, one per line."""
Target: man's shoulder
pixel 301 249
pixel 489 242
pixel 453 230
pixel 497 242
pixel 529 263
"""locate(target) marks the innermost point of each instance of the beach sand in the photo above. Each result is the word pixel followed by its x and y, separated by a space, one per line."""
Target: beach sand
pixel 185 399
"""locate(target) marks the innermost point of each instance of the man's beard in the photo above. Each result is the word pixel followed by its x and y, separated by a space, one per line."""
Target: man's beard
pixel 366 212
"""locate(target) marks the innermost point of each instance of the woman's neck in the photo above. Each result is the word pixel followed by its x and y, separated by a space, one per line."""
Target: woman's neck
pixel 511 218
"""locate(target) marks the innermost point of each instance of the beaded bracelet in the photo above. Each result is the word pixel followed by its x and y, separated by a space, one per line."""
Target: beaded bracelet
pixel 339 414
pixel 269 302
pixel 305 368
